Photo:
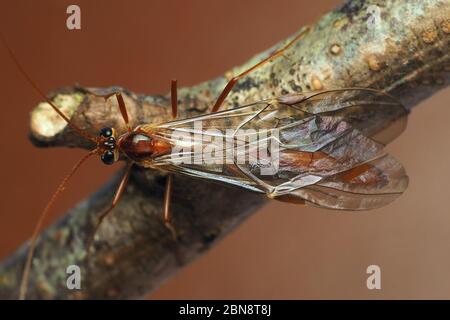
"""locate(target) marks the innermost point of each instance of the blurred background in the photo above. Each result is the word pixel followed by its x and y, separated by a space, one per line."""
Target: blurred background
pixel 283 251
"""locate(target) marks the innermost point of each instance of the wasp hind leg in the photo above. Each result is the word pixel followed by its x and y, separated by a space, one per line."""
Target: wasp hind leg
pixel 279 53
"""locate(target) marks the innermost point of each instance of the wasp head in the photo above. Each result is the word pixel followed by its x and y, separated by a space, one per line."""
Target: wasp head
pixel 107 146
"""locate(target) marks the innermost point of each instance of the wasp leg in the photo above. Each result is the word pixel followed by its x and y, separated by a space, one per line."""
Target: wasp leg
pixel 117 196
pixel 166 212
pixel 122 106
pixel 169 183
pixel 174 98
pixel 235 79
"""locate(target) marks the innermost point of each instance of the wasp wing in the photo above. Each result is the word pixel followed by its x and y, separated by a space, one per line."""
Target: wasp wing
pixel 367 186
pixel 376 114
pixel 310 145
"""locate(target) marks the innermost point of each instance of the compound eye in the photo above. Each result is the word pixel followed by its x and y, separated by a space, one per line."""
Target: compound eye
pixel 108 157
pixel 106 132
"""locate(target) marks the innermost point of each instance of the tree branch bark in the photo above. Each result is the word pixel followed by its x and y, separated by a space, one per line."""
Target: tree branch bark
pixel 405 52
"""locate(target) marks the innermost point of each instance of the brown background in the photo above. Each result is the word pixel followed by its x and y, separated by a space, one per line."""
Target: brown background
pixel 283 251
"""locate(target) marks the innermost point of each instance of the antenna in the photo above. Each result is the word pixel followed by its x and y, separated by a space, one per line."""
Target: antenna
pixel 41 93
pixel 37 228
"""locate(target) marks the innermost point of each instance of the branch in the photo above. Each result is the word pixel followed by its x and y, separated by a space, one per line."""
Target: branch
pixel 404 53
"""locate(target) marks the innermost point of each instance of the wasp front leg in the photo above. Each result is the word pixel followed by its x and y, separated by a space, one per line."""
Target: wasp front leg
pixel 122 106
